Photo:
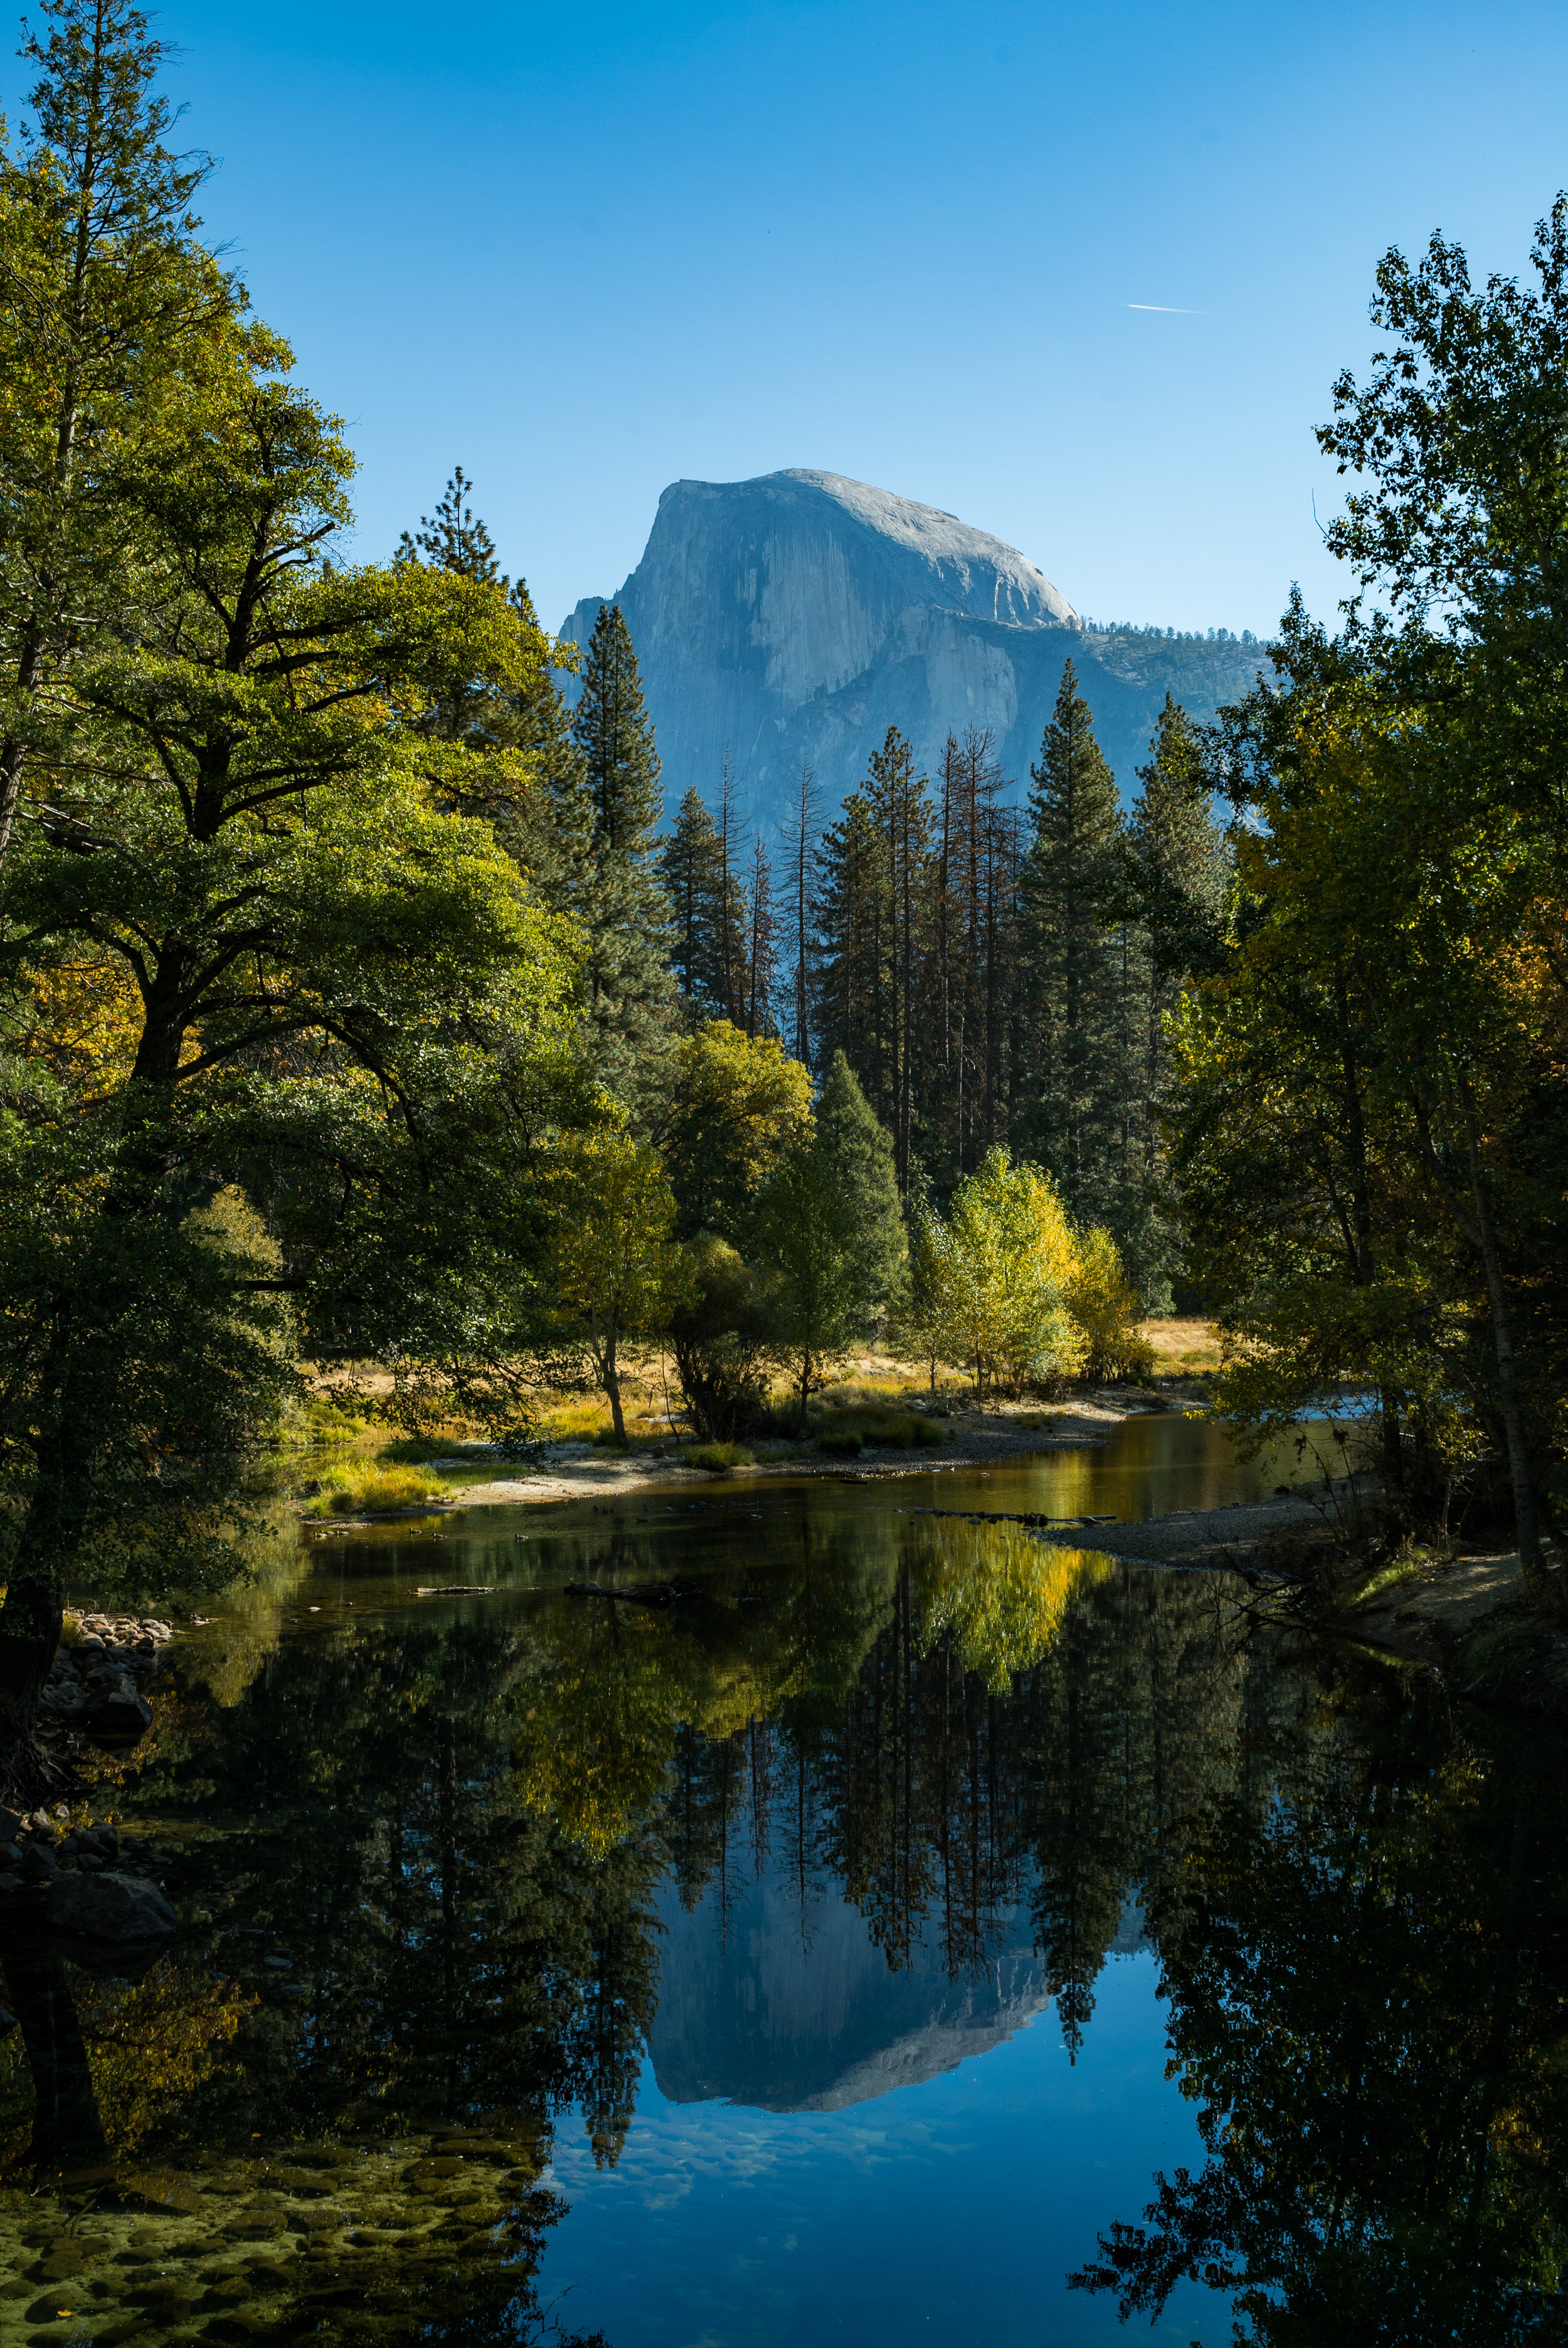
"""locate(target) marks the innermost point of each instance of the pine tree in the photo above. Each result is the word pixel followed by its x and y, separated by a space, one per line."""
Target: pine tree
pixel 543 821
pixel 713 918
pixel 799 843
pixel 689 868
pixel 624 911
pixel 611 728
pixel 552 833
pixel 110 313
pixel 901 811
pixel 973 979
pixel 762 946
pixel 452 537
pixel 1075 1003
pixel 1179 872
pixel 730 910
pixel 849 974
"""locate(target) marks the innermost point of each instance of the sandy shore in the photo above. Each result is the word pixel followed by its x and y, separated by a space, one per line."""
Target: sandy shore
pixel 1431 1614
pixel 973 1437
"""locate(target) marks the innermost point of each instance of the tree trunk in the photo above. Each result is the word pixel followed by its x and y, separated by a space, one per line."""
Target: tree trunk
pixel 1510 1405
pixel 612 1388
pixel 30 1622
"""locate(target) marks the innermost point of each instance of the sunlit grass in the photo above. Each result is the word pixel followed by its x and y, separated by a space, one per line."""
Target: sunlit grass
pixel 367 1488
pixel 718 1458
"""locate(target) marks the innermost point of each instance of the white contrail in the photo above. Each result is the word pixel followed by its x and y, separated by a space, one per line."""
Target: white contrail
pixel 1169 309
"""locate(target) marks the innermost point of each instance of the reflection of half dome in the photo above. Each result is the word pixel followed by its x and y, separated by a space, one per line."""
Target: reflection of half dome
pixel 756 2017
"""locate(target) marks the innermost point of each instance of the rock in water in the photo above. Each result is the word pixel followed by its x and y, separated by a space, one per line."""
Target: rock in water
pixel 110 1908
pixel 119 1717
pixel 802 614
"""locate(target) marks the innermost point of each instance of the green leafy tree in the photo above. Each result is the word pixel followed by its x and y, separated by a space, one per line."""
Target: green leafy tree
pixel 332 991
pixel 830 1237
pixel 732 1104
pixel 612 1260
pixel 995 1276
pixel 720 1336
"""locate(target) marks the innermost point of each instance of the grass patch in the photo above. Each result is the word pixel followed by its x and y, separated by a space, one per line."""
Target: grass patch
pixel 1390 1576
pixel 637 1440
pixel 851 1430
pixel 367 1489
pixel 718 1458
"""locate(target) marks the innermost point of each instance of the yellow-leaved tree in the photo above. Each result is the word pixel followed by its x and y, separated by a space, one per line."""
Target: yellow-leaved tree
pixel 1108 1310
pixel 994 1277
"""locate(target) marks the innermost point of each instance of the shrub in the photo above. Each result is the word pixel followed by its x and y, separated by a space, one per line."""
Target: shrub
pixel 720 1338
pixel 840 1443
pixel 718 1458
pixel 899 1431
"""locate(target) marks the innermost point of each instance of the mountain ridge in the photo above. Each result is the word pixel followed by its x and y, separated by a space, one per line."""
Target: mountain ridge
pixel 797 615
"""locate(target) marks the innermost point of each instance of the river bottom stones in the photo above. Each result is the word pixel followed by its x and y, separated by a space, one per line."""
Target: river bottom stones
pixel 316 2241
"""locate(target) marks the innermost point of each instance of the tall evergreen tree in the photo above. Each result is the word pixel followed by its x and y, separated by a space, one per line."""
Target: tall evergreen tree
pixel 1179 869
pixel 762 946
pixel 689 868
pixel 799 841
pixel 874 908
pixel 454 538
pixel 901 809
pixel 710 946
pixel 536 801
pixel 1075 1003
pixel 848 976
pixel 972 992
pixel 624 910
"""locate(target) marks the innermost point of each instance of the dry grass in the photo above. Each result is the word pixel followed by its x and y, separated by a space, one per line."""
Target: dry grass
pixel 1183 1346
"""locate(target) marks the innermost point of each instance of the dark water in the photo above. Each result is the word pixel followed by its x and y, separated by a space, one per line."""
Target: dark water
pixel 857 1949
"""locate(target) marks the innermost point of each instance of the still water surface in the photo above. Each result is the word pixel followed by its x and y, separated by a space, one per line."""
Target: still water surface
pixel 855 1949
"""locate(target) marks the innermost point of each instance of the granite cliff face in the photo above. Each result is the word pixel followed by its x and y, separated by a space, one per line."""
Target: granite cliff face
pixel 801 614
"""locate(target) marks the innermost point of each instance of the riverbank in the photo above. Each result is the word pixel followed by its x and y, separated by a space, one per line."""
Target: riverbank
pixel 584 1471
pixel 1467 1617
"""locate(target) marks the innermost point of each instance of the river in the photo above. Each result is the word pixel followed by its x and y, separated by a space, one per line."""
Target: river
pixel 913 1930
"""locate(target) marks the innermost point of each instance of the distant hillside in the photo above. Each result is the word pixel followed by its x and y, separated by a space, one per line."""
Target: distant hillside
pixel 801 614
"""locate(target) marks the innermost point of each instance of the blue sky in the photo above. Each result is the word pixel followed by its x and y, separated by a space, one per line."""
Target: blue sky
pixel 587 252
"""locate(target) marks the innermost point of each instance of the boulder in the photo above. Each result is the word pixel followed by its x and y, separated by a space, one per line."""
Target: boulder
pixel 119 1717
pixel 109 1907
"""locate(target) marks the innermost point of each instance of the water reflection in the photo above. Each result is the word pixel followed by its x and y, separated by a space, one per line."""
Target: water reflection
pixel 458 1873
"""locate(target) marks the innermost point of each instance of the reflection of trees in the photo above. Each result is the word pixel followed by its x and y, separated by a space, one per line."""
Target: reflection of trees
pixel 471 1969
pixel 1369 1999
pixel 460 1830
